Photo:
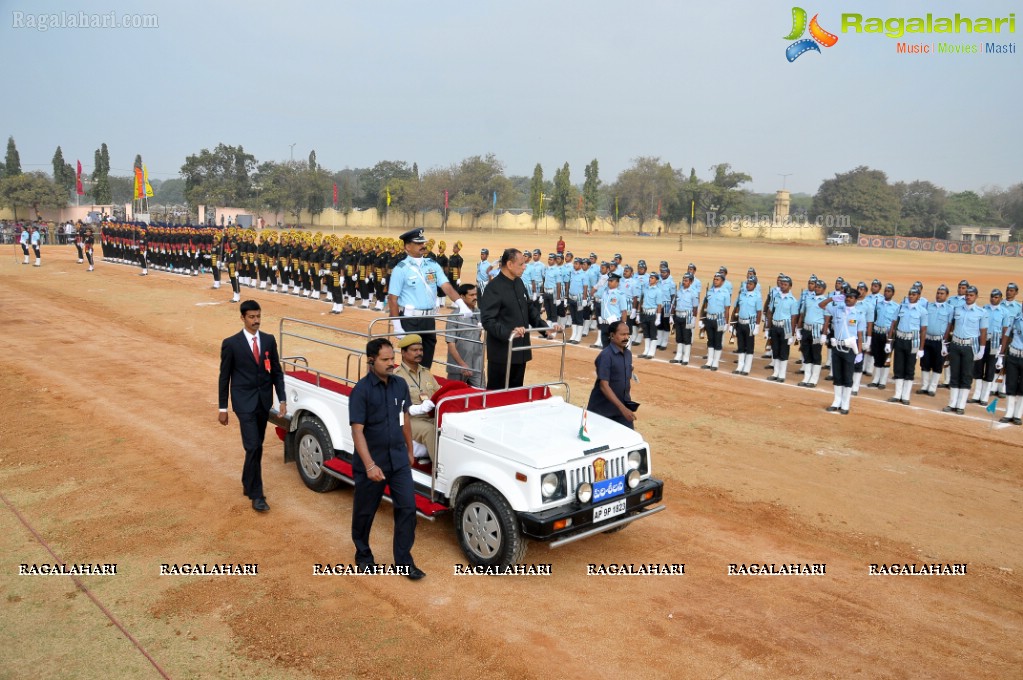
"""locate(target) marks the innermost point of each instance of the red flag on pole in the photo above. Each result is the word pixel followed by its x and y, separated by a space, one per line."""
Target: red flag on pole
pixel 335 195
pixel 445 200
pixel 78 180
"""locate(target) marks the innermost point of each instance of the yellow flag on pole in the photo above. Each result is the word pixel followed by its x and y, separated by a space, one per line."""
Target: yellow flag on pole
pixel 145 180
pixel 388 197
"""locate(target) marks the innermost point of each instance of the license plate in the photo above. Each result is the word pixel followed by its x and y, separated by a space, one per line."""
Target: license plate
pixel 608 511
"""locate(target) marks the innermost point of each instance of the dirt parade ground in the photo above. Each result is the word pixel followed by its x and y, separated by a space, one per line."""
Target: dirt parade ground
pixel 110 453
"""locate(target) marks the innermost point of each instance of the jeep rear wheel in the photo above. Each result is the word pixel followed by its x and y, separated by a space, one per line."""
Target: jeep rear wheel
pixel 487 528
pixel 313 448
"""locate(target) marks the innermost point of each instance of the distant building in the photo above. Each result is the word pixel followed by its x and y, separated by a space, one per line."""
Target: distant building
pixel 964 232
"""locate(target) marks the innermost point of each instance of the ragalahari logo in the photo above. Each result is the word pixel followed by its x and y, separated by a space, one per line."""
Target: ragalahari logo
pixel 818 35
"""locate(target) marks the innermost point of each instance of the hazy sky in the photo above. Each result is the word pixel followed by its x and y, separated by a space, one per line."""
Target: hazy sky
pixel 563 80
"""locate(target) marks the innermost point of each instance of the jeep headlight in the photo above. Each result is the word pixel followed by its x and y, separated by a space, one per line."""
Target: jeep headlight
pixel 632 479
pixel 637 460
pixel 552 486
pixel 584 493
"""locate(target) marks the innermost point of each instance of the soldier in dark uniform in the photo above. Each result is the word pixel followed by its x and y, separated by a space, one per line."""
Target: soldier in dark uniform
pixel 88 241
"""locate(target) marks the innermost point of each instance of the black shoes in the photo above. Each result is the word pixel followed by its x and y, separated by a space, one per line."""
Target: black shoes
pixel 415 573
pixel 259 505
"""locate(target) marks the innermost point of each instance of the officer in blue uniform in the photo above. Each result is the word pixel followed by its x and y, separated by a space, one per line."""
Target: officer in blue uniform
pixel 877 328
pixel 714 315
pixel 629 287
pixel 984 371
pixel 483 269
pixel 908 331
pixel 939 314
pixel 652 306
pixel 811 326
pixel 613 307
pixel 845 321
pixel 1011 359
pixel 746 317
pixel 668 290
pixel 784 322
pixel 550 288
pixel 411 293
pixel 687 302
pixel 1011 308
pixel 968 335
pixel 576 299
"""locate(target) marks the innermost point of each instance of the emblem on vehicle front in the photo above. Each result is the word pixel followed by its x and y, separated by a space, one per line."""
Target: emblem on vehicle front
pixel 599 470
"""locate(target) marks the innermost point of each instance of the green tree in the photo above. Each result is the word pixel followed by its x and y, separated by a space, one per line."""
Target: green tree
pixel 640 187
pixel 30 190
pixel 591 193
pixel 219 177
pixel 12 162
pixel 312 159
pixel 968 208
pixel 921 205
pixel 562 200
pixel 63 173
pixel 863 195
pixel 375 181
pixel 536 194
pixel 101 192
pixel 478 179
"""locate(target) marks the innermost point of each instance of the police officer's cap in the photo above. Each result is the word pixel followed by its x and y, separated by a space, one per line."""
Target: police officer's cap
pixel 484 250
pixel 915 291
pixel 652 275
pixel 578 260
pixel 752 279
pixel 889 286
pixel 409 340
pixel 786 279
pixel 613 277
pixel 971 289
pixel 641 263
pixel 664 268
pixel 996 292
pixel 862 284
pixel 723 269
pixel 943 287
pixel 560 256
pixel 691 266
pixel 628 266
pixel 820 283
pixel 413 236
pixel 551 256
pixel 605 263
pixel 877 281
pixel 618 256
pixel 964 282
pixel 841 280
pixel 852 293
pixel 719 275
pixel 536 251
pixel 751 270
pixel 1013 286
pixel 593 256
pixel 664 263
pixel 687 277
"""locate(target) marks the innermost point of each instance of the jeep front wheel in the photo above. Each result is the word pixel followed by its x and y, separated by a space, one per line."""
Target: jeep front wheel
pixel 487 528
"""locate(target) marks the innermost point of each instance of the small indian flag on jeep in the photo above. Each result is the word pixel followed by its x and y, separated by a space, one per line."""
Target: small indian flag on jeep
pixel 583 432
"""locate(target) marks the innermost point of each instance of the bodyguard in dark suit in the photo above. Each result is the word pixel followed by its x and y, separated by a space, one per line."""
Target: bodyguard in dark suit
pixel 505 310
pixel 250 370
pixel 378 410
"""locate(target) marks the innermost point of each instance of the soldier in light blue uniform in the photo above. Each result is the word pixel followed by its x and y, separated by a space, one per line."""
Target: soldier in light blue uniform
pixel 483 268
pixel 549 288
pixel 668 289
pixel 869 304
pixel 1011 308
pixel 577 279
pixel 939 314
pixel 812 338
pixel 908 331
pixel 613 307
pixel 564 273
pixel 714 315
pixel 968 335
pixel 596 275
pixel 629 286
pixel 687 300
pixel 746 316
pixel 878 328
pixel 642 277
pixel 412 293
pixel 959 299
pixel 984 371
pixel 650 313
pixel 845 322
pixel 784 322
pixel 697 284
pixel 772 296
pixel 1011 359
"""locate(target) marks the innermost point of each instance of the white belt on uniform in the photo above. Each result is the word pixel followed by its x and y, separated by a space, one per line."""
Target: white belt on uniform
pixel 1013 352
pixel 417 312
pixel 904 335
pixel 935 337
pixel 966 342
